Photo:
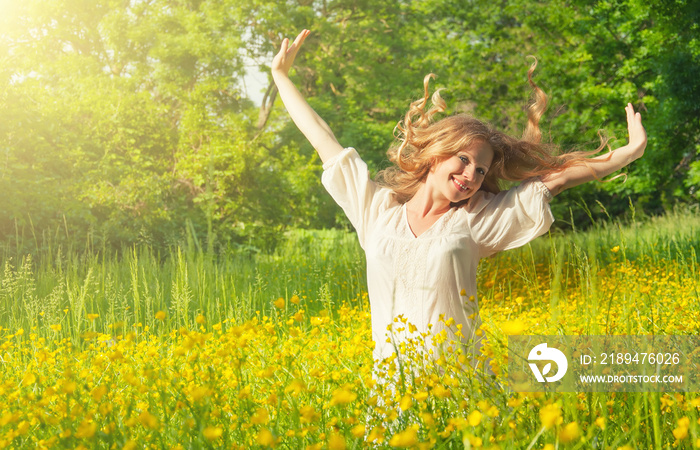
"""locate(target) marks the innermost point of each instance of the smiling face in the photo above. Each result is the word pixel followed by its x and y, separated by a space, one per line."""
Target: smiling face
pixel 458 177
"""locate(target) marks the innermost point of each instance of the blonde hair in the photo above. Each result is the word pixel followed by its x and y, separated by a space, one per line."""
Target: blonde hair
pixel 422 142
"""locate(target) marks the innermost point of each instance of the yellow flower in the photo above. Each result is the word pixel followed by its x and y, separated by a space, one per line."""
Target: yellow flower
pixel 197 393
pixel 336 442
pixel 427 419
pixel 615 249
pixel 550 415
pixel 492 411
pixel 343 396
pixel 358 430
pixel 296 386
pixel 56 327
pixel 295 299
pixel 308 414
pixel 405 439
pixel 69 386
pixel 681 432
pixel 420 396
pixel 474 441
pixel 265 438
pixel 98 392
pixel 93 316
pixel 376 435
pixel 474 418
pixel 441 392
pixel 160 315
pixel 279 303
pixel 200 319
pixel 212 433
pixel 514 402
pixel 516 326
pixel 569 433
pixel 148 420
pixel 29 378
pixel 600 421
pixel 86 430
pixel 406 402
pixel 260 417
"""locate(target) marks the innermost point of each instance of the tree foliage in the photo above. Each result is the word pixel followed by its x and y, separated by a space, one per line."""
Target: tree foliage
pixel 127 119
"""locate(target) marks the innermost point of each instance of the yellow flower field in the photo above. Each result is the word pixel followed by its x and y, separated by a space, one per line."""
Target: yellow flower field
pixel 292 368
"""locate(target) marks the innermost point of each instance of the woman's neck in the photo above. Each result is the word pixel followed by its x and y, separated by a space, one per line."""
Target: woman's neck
pixel 426 203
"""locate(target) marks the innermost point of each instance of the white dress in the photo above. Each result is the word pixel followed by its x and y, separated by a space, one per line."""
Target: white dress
pixel 430 277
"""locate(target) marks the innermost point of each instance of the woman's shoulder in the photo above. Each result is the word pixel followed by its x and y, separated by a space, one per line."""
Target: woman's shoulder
pixel 346 155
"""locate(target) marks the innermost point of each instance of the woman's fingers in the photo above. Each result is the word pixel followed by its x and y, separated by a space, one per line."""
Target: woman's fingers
pixel 637 133
pixel 300 37
pixel 294 48
pixel 631 115
pixel 285 58
pixel 633 119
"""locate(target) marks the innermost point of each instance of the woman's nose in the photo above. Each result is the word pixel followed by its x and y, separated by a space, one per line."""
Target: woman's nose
pixel 468 172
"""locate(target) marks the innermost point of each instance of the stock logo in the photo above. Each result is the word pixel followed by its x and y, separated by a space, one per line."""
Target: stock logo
pixel 543 353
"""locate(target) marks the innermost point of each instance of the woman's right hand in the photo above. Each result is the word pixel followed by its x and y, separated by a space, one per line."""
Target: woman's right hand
pixel 309 123
pixel 285 57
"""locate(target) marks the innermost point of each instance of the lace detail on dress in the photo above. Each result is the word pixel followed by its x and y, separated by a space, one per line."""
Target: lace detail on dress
pixel 411 255
pixel 442 225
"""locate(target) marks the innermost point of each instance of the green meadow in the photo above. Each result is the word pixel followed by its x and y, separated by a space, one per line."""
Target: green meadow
pixel 191 349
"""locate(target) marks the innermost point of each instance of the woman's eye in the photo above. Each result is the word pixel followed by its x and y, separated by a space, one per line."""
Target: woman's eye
pixel 481 171
pixel 464 159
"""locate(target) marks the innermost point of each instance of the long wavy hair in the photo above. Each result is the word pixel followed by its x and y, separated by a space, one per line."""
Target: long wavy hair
pixel 423 142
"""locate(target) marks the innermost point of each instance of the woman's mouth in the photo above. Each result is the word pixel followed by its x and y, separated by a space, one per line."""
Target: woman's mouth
pixel 460 186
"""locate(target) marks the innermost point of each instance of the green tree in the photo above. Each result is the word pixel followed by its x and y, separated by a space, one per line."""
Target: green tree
pixel 126 120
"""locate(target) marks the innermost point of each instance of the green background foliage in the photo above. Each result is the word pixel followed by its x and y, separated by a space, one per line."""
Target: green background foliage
pixel 126 121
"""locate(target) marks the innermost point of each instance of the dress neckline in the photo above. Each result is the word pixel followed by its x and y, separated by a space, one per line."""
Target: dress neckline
pixel 434 226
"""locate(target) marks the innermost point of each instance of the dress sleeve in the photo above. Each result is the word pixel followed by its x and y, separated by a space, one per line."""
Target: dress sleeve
pixel 510 218
pixel 346 178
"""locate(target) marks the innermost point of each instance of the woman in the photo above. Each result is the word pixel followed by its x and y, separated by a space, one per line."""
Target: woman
pixel 428 220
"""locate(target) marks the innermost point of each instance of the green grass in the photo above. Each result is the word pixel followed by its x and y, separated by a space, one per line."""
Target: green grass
pixel 130 287
pixel 323 266
pixel 633 278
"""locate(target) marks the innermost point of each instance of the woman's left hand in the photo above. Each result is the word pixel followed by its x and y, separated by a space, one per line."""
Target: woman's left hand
pixel 637 133
pixel 603 165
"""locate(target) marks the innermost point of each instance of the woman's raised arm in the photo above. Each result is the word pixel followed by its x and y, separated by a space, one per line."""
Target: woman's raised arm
pixel 309 123
pixel 603 165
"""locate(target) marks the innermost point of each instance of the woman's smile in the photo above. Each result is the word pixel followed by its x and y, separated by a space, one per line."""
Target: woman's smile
pixel 460 187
